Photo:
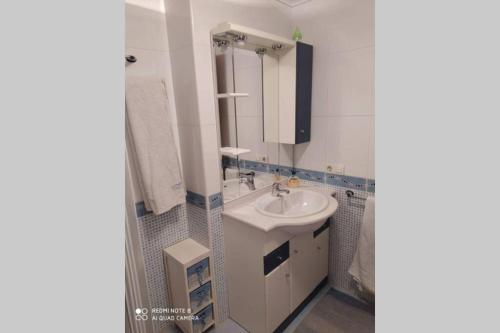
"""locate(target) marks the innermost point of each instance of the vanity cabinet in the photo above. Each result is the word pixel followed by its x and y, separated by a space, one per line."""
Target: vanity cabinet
pixel 272 275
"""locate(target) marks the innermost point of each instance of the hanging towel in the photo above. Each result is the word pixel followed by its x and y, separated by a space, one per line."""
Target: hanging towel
pixel 363 265
pixel 152 145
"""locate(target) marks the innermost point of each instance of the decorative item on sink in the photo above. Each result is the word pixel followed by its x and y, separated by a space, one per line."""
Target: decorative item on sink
pixel 293 181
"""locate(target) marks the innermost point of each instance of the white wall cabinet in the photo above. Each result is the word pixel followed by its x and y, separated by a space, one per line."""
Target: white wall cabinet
pixel 271 274
pixel 287 87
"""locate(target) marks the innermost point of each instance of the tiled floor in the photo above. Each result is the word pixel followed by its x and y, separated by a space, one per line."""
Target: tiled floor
pixel 329 312
pixel 228 326
pixel 337 313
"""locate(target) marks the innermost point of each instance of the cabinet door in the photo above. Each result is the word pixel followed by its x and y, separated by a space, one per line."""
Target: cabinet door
pixel 302 265
pixel 308 264
pixel 277 296
pixel 321 250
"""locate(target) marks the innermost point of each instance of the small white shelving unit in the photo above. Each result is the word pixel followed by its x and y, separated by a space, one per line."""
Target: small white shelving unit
pixel 187 264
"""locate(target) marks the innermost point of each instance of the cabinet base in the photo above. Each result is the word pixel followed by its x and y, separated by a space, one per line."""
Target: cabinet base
pixel 301 307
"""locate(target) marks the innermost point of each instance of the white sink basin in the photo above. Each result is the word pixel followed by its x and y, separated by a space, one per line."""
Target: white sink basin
pixel 305 209
pixel 299 203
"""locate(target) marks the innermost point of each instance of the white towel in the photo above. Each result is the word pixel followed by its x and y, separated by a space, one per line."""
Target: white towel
pixel 363 265
pixel 153 150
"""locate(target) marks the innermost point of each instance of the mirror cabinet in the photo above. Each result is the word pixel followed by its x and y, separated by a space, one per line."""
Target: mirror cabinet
pixel 264 85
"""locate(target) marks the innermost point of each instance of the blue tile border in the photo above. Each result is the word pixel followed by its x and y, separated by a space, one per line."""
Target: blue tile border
pixel 229 161
pixel 196 199
pixel 315 176
pixel 284 170
pixel 370 185
pixel 356 183
pixel 140 209
pixel 255 166
pixel 215 200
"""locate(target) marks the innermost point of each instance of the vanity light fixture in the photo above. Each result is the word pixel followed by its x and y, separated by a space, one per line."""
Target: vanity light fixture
pixel 240 39
pixel 222 44
pixel 277 47
pixel 260 51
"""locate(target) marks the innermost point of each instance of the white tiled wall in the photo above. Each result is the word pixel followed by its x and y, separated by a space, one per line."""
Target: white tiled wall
pixel 343 85
pixel 187 91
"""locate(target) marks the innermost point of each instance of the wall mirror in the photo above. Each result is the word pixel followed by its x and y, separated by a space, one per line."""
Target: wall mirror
pixel 263 97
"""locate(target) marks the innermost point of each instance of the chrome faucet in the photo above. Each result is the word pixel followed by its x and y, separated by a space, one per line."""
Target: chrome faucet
pixel 248 178
pixel 277 190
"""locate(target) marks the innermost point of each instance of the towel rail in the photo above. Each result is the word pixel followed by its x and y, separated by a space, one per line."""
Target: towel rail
pixel 350 194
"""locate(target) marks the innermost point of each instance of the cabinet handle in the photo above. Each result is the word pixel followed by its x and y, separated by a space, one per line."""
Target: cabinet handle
pixel 295 251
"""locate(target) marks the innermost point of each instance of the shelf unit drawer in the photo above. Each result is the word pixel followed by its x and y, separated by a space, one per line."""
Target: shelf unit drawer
pixel 205 319
pixel 198 273
pixel 200 297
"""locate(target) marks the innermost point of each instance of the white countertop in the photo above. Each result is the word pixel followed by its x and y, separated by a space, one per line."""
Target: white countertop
pixel 243 210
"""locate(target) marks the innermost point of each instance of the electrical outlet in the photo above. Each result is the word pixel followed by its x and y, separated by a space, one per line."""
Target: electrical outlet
pixel 336 168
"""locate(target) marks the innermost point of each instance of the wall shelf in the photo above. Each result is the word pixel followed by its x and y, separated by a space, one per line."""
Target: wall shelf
pixel 231 95
pixel 233 151
pixel 228 30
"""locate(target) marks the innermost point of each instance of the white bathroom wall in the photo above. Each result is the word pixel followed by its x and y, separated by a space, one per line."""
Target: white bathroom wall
pixel 179 23
pixel 343 116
